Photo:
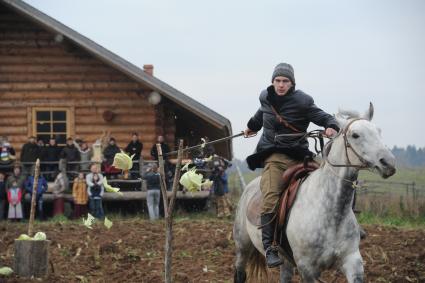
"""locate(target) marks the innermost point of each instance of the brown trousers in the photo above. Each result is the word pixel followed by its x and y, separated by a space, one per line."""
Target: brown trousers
pixel 271 180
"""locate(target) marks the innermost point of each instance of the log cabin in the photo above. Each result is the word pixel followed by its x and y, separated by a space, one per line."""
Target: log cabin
pixel 54 82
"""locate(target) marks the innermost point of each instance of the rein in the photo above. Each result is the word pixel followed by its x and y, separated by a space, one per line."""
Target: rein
pixel 347 144
pixel 316 135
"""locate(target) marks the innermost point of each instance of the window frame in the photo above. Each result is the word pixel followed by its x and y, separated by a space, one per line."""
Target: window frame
pixel 68 122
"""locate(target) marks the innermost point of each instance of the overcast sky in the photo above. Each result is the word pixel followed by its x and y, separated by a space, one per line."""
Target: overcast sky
pixel 222 53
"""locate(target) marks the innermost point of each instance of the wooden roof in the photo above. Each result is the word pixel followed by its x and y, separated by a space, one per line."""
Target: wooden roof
pixel 115 61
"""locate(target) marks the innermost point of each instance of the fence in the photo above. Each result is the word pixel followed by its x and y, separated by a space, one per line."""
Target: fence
pixel 385 198
pixel 63 166
pixel 133 187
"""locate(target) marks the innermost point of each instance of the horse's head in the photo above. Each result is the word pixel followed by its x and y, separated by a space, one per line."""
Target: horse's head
pixel 365 141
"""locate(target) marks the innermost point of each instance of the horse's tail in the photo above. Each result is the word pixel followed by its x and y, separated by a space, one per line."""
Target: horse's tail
pixel 257 268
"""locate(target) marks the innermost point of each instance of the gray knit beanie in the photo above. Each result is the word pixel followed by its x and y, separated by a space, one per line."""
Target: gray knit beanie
pixel 284 70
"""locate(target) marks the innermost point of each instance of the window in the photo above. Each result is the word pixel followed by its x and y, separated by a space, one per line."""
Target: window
pixel 51 123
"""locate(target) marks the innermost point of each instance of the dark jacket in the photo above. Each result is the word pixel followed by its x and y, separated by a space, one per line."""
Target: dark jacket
pixel 134 148
pixel 96 191
pixel 219 183
pixel 52 153
pixel 70 153
pixel 165 150
pixel 152 180
pixel 298 109
pixel 109 153
pixel 30 152
pixel 3 194
pixel 41 186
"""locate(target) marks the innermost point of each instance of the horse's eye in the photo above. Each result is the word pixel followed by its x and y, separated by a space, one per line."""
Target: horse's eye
pixel 355 136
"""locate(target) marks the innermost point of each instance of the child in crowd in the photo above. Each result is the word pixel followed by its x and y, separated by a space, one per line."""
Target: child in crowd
pixel 14 196
pixel 79 193
pixel 3 195
pixel 95 191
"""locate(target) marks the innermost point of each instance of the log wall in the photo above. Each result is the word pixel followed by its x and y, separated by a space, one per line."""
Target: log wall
pixel 37 70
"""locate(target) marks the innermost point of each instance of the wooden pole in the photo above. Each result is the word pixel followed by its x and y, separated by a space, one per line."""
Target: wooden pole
pixel 33 198
pixel 163 180
pixel 168 208
pixel 176 177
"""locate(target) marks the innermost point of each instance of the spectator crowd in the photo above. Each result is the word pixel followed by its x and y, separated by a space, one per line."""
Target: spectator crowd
pixel 75 167
pixel 82 174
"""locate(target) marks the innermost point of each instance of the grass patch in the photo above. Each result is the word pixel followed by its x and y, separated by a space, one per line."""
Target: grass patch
pixel 393 221
pixel 408 175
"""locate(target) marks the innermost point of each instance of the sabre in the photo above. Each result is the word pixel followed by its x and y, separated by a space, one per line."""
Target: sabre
pixel 211 142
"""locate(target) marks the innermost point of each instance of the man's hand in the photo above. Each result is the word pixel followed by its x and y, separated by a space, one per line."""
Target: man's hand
pixel 248 132
pixel 329 133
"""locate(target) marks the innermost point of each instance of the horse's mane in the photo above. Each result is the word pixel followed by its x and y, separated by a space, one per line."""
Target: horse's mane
pixel 347 114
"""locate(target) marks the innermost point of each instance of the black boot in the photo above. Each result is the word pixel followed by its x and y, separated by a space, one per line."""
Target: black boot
pixel 267 232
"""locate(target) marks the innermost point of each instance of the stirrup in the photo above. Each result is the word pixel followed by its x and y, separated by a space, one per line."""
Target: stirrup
pixel 272 253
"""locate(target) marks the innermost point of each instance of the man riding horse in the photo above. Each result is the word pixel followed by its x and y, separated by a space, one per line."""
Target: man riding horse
pixel 284 110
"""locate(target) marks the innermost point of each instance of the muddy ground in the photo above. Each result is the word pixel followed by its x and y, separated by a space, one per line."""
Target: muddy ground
pixel 132 251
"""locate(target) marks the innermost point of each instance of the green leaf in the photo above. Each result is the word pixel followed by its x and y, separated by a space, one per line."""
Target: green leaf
pixel 89 221
pixel 40 236
pixel 6 271
pixel 108 223
pixel 24 237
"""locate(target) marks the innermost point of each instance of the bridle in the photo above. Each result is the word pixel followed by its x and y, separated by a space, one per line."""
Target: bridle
pixel 347 145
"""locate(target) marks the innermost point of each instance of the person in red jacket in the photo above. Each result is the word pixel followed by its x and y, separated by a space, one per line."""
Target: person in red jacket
pixel 14 197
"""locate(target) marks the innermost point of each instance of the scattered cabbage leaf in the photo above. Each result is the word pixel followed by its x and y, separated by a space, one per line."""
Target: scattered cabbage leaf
pixel 6 271
pixel 108 223
pixel 123 161
pixel 40 236
pixel 24 237
pixel 208 159
pixel 89 221
pixel 192 181
pixel 207 184
pixel 109 188
pixel 186 167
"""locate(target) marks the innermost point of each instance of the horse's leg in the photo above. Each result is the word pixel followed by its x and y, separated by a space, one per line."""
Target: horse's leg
pixel 353 268
pixel 308 273
pixel 286 272
pixel 242 257
pixel 244 249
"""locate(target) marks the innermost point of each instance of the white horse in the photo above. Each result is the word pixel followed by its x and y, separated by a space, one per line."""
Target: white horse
pixel 322 229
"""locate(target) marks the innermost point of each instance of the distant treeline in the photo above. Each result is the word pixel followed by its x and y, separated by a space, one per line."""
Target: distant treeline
pixel 409 156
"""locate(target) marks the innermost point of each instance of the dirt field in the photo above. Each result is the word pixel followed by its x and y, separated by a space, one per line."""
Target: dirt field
pixel 132 252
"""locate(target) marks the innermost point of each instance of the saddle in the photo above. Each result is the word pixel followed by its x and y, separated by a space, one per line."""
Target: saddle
pixel 292 179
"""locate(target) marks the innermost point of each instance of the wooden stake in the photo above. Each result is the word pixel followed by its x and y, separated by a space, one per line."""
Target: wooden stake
pixel 163 180
pixel 33 198
pixel 169 218
pixel 176 177
pixel 168 208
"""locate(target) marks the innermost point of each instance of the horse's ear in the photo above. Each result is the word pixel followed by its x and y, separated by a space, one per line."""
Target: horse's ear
pixel 340 119
pixel 369 113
